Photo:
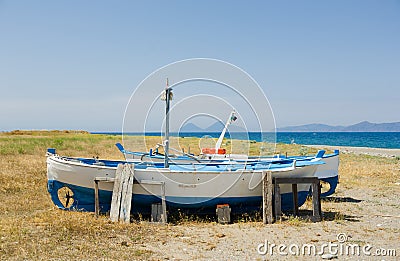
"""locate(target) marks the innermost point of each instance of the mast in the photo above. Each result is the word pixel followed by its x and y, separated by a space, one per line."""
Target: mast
pixel 168 97
pixel 232 118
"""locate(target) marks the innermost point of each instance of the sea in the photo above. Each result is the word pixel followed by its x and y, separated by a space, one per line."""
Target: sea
pixel 389 140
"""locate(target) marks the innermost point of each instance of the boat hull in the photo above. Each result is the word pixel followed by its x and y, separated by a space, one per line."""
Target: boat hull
pixel 328 172
pixel 194 190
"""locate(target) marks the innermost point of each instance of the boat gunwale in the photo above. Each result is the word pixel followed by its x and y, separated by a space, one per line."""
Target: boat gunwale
pixel 71 161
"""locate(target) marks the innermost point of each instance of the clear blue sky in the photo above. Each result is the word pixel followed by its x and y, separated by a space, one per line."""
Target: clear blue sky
pixel 74 64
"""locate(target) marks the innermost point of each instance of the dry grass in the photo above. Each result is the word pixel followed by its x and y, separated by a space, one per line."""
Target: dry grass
pixel 369 172
pixel 32 228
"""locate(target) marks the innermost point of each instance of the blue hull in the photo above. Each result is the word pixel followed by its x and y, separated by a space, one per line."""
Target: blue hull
pixel 83 200
pixel 332 181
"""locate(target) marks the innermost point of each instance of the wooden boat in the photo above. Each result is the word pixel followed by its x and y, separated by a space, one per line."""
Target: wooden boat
pixel 199 187
pixel 327 173
pixel 195 185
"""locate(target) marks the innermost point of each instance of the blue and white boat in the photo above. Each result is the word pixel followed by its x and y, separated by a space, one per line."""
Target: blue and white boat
pixel 198 187
pixel 193 185
pixel 328 173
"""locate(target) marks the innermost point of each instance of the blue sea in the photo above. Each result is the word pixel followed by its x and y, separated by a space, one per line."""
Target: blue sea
pixel 390 140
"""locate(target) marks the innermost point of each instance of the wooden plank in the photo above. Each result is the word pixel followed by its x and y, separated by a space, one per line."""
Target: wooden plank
pixel 278 207
pixel 126 198
pixel 96 198
pixel 104 179
pixel 267 198
pixel 265 208
pixel 130 189
pixel 164 218
pixel 116 196
pixel 298 180
pixel 150 182
pixel 124 176
pixel 295 200
pixel 156 213
pixel 223 214
pixel 316 198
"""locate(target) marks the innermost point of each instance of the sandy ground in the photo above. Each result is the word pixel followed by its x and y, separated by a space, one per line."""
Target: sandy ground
pixel 359 224
pixel 367 221
pixel 361 150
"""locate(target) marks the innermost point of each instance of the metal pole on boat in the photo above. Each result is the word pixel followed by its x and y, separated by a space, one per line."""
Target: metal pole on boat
pixel 167 102
pixel 232 118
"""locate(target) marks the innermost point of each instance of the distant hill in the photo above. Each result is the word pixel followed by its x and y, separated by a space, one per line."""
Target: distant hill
pixel 190 127
pixel 216 127
pixel 364 126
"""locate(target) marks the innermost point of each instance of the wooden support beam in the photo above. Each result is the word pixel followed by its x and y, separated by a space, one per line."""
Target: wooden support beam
pixel 116 196
pixel 126 193
pixel 156 213
pixel 316 198
pixel 277 196
pixel 267 198
pixel 164 217
pixel 223 212
pixel 295 180
pixel 96 198
pixel 295 200
pixel 122 193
